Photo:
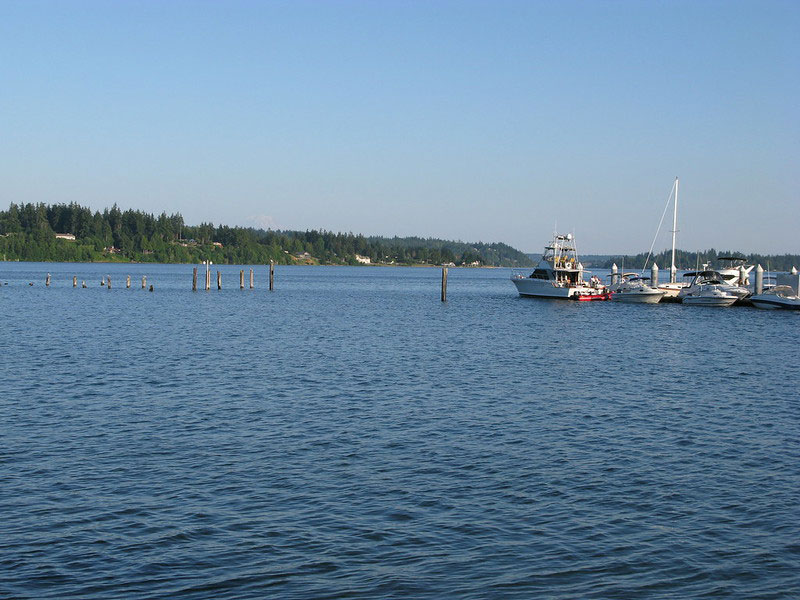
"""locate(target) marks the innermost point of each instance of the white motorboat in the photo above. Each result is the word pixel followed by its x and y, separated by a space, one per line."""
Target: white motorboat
pixel 777 297
pixel 709 277
pixel 732 270
pixel 707 294
pixel 559 275
pixel 633 288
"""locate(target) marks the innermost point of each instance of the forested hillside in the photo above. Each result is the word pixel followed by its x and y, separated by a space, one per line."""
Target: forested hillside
pixel 28 232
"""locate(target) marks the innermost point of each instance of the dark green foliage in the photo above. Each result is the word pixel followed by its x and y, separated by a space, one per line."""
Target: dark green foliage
pixel 27 232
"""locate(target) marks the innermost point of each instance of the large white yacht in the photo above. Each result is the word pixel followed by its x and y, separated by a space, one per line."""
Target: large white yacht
pixel 559 275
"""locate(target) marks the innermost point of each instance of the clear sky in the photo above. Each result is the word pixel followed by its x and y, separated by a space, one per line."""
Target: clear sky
pixel 480 121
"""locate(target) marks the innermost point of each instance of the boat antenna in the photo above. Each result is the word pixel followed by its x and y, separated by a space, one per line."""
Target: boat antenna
pixel 658 230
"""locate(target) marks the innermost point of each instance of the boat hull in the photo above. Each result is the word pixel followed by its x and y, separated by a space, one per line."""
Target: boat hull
pixel 538 288
pixel 709 300
pixel 638 297
pixel 775 303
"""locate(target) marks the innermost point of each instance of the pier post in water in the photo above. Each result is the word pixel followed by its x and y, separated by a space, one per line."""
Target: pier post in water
pixel 759 287
pixel 742 275
pixel 251 279
pixel 614 271
pixel 241 279
pixel 271 275
pixel 194 279
pixel 144 281
pixel 102 282
pixel 219 280
pixel 108 282
pixel 47 281
pixel 128 282
pixel 654 276
pixel 74 281
pixel 444 284
pixel 83 285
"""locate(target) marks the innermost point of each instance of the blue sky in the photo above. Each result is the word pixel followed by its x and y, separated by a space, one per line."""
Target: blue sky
pixel 488 121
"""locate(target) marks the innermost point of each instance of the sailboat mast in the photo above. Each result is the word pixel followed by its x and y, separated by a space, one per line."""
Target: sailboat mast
pixel 673 271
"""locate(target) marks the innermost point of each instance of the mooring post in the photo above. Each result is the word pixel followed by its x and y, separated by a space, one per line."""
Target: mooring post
pixel 742 275
pixel 128 282
pixel 219 280
pixel 144 281
pixel 251 279
pixel 208 278
pixel 102 281
pixel 654 276
pixel 614 271
pixel 759 287
pixel 83 284
pixel 74 281
pixel 108 282
pixel 271 275
pixel 194 279
pixel 241 279
pixel 47 281
pixel 444 284
pixel 151 287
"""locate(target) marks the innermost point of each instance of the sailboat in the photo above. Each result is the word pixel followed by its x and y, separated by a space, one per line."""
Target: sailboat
pixel 673 288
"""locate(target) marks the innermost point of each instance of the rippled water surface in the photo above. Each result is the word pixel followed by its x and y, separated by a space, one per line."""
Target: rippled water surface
pixel 350 436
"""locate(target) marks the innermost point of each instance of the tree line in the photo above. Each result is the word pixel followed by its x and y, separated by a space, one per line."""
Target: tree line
pixel 28 232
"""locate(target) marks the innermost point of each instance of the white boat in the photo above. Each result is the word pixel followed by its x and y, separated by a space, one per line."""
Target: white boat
pixel 707 289
pixel 559 275
pixel 731 270
pixel 633 288
pixel 777 297
pixel 674 287
pixel 709 277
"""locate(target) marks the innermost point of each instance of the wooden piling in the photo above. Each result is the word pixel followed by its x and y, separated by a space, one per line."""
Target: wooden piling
pixel 251 279
pixel 144 281
pixel 108 282
pixel 83 284
pixel 219 280
pixel 151 287
pixel 444 284
pixel 102 282
pixel 241 279
pixel 271 275
pixel 208 277
pixel 194 279
pixel 47 281
pixel 74 281
pixel 128 282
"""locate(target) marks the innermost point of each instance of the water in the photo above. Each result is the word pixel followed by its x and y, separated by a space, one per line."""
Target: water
pixel 350 436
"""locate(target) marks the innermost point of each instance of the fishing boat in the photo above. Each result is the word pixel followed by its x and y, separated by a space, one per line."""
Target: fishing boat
pixel 559 274
pixel 633 288
pixel 777 297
